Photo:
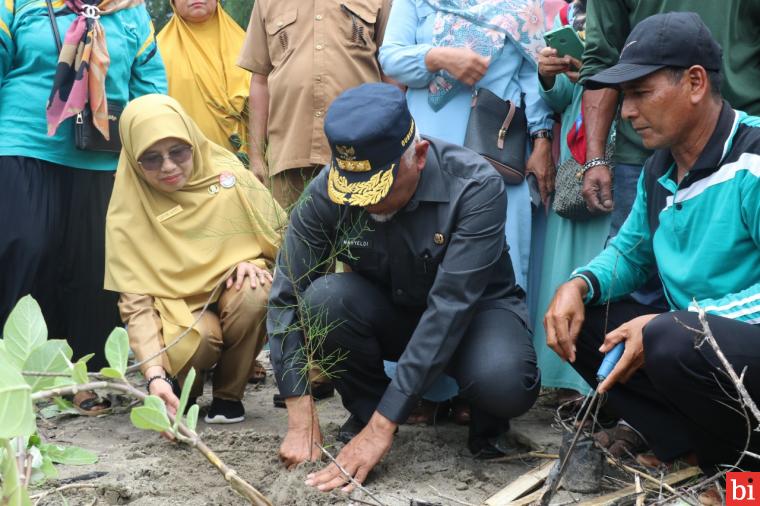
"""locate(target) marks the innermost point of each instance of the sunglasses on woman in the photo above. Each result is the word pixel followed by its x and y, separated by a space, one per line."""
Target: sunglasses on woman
pixel 154 161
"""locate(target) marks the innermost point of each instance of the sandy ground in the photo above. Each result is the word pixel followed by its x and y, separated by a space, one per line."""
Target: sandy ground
pixel 427 463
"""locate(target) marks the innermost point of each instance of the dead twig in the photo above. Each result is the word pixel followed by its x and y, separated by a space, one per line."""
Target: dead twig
pixel 347 475
pixel 523 456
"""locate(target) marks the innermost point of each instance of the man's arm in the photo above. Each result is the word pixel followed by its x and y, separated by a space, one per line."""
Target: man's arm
pixel 607 27
pixel 258 118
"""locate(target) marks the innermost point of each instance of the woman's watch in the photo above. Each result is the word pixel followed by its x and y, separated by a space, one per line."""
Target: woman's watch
pixel 541 134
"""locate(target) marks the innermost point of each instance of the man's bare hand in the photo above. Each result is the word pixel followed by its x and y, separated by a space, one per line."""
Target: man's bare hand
pixel 632 360
pixel 564 318
pixel 597 189
pixel 358 457
pixel 463 63
pixel 550 65
pixel 300 443
pixel 541 164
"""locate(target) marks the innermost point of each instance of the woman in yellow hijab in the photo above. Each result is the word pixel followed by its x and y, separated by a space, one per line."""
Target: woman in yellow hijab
pixel 200 46
pixel 188 225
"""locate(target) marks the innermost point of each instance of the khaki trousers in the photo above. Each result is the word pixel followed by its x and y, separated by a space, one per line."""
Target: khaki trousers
pixel 232 340
pixel 288 185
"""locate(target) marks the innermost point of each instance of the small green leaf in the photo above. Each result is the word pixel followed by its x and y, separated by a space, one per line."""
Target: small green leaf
pixel 69 455
pixel 86 358
pixel 150 419
pixel 79 373
pixel 117 349
pixel 12 493
pixel 110 372
pixel 186 387
pixel 151 415
pixel 16 412
pixel 53 356
pixel 192 417
pixel 24 331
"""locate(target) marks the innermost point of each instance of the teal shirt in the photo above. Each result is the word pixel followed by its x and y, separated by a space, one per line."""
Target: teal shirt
pixel 703 234
pixel 733 23
pixel 28 57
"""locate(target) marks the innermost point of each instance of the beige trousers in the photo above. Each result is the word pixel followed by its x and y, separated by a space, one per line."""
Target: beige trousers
pixel 288 185
pixel 232 340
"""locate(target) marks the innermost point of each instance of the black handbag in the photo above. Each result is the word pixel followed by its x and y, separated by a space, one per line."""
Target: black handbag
pixel 497 130
pixel 86 136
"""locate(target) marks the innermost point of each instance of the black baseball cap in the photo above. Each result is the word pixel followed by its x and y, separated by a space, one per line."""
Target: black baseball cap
pixel 673 39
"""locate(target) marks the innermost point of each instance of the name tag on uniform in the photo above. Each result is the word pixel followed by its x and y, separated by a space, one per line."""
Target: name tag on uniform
pixel 174 211
pixel 357 243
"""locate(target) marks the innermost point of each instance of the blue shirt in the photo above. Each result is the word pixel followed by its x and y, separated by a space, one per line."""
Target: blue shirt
pixel 28 58
pixel 408 38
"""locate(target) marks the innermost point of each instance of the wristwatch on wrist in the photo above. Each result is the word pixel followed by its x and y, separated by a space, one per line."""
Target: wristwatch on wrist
pixel 541 134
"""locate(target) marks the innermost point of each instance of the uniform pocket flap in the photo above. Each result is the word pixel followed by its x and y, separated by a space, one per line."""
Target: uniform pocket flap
pixel 280 21
pixel 366 11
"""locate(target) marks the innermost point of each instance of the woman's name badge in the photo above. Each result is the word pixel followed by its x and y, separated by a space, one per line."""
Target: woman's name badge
pixel 174 211
pixel 227 179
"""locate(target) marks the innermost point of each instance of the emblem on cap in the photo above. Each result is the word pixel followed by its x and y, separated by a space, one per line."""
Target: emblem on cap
pixel 227 179
pixel 347 161
pixel 438 238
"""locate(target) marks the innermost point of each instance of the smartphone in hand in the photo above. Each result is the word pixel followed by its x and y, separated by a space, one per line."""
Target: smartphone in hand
pixel 566 41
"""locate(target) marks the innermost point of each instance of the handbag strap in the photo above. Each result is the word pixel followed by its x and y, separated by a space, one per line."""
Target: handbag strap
pixel 505 126
pixel 54 25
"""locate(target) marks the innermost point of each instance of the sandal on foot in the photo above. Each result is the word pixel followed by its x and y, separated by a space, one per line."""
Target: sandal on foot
pixel 89 404
pixel 259 374
pixel 621 441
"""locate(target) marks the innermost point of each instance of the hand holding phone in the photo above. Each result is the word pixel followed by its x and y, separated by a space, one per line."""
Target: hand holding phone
pixel 566 41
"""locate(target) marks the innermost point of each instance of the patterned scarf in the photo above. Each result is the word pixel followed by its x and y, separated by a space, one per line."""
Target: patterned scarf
pixel 483 26
pixel 80 76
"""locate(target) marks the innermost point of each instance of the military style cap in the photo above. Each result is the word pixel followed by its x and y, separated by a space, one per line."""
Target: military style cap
pixel 368 127
pixel 674 39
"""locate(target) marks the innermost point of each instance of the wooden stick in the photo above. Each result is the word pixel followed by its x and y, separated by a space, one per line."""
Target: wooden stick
pixel 527 455
pixel 613 497
pixel 245 489
pixel 522 485
pixel 637 473
pixel 737 380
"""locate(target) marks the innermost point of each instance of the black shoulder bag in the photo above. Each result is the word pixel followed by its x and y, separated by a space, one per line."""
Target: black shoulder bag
pixel 86 136
pixel 498 130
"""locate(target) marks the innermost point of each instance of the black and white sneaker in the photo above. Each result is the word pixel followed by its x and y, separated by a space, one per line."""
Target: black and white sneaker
pixel 224 411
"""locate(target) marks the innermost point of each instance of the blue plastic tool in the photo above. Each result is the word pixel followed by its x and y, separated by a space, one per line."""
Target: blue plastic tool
pixel 610 361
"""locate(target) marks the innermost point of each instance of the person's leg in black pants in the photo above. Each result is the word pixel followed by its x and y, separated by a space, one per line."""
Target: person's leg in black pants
pixel 694 383
pixel 495 367
pixel 637 401
pixel 365 328
pixel 29 199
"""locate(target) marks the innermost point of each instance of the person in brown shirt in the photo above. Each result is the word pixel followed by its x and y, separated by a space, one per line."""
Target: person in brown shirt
pixel 302 55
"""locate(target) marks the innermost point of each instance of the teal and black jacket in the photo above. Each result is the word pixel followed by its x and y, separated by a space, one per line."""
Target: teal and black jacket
pixel 703 234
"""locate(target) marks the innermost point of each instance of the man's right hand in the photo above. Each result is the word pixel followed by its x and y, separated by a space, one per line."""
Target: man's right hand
pixel 564 318
pixel 303 435
pixel 258 168
pixel 597 189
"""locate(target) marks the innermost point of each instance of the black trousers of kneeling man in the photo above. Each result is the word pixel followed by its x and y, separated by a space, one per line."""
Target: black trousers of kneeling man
pixel 494 364
pixel 682 401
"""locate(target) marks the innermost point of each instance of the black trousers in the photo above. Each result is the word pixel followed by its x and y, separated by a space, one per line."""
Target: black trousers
pixel 681 401
pixel 495 364
pixel 52 245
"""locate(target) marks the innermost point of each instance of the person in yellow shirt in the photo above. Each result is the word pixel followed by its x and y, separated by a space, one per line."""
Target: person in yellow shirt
pixel 200 45
pixel 191 236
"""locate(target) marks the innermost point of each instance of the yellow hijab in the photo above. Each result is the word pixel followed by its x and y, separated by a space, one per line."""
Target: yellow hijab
pixel 178 246
pixel 200 60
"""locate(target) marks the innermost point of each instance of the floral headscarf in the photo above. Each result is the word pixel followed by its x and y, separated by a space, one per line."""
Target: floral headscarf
pixel 483 26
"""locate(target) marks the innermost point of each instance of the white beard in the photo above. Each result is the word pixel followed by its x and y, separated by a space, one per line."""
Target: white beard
pixel 383 217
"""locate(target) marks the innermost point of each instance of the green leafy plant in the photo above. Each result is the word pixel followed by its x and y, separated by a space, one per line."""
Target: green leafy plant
pixel 35 371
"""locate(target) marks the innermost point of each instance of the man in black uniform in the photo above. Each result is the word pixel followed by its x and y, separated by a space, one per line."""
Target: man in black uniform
pixel 421 224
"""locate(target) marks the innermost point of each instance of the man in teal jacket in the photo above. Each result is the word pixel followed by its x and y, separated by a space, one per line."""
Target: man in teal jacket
pixel 696 218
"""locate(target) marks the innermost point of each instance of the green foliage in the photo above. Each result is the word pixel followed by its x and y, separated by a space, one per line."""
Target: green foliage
pixel 192 417
pixel 16 412
pixel 69 455
pixel 117 350
pixel 151 416
pixel 79 373
pixel 183 397
pixel 52 357
pixel 12 493
pixel 24 331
